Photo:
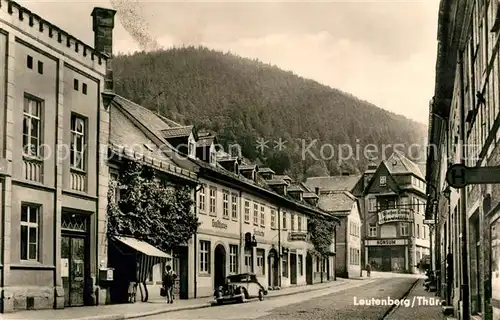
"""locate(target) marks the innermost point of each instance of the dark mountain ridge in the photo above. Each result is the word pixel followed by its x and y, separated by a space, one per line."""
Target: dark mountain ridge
pixel 244 100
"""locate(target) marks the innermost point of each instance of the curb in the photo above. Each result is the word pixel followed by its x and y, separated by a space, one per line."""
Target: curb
pixel 199 306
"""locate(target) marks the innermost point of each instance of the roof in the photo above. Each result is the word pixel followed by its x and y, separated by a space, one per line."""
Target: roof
pixel 266 170
pixel 248 167
pixel 295 188
pixel 283 177
pixel 336 201
pixel 399 164
pixel 142 114
pixel 205 141
pixel 334 183
pixel 307 195
pixel 177 132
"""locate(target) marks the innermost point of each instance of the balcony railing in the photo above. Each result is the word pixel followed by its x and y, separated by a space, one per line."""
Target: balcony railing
pixel 33 169
pixel 78 181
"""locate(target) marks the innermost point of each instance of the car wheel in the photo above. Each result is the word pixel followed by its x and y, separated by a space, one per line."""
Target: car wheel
pixel 261 295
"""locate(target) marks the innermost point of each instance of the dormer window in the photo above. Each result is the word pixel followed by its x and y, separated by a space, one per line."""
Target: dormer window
pixel 383 180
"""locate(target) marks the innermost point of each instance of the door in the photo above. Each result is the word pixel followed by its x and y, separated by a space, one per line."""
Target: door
pixel 293 268
pixel 74 270
pixel 220 266
pixel 309 269
pixel 386 263
pixel 181 268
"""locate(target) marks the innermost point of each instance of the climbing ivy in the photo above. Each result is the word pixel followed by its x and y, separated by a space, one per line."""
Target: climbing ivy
pixel 321 234
pixel 148 210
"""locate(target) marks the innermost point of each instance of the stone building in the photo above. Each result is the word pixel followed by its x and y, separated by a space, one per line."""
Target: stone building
pixel 53 176
pixel 464 112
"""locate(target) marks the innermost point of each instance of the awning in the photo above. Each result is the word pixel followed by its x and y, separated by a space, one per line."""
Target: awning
pixel 143 247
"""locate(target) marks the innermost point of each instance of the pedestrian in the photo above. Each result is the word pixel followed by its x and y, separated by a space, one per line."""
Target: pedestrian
pixel 368 270
pixel 168 283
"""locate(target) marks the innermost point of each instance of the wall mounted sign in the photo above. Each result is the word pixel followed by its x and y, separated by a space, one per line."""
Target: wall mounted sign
pixel 297 236
pixel 386 242
pixel 218 224
pixel 395 215
pixel 258 233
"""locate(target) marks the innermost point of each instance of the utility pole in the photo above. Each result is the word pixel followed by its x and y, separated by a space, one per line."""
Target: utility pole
pixel 463 205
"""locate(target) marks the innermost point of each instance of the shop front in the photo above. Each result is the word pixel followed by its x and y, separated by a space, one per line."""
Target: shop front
pixel 388 255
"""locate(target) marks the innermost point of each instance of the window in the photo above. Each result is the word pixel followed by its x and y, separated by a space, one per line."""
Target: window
pixel 404 229
pixel 29 62
pixel 292 222
pixel 75 84
pixel 284 268
pixel 225 204
pixel 201 199
pixel 299 265
pixel 372 204
pixel 248 260
pixel 204 257
pixel 260 261
pixel 372 231
pixel 32 127
pixel 77 143
pixel 233 258
pixel 247 211
pixel 213 200
pixel 30 216
pixel 40 67
pixel 423 232
pixel 234 206
pixel 273 219
pixel 418 231
pixel 84 88
pixel 256 214
pixel 113 179
pixel 404 202
pixel 262 216
pixel 284 221
pixel 383 180
pixel 299 223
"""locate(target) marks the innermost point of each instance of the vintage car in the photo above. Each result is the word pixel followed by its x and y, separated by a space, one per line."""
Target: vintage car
pixel 240 287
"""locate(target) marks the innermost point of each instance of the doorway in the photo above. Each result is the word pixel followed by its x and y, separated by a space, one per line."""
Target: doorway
pixel 75 262
pixel 273 262
pixel 181 268
pixel 219 266
pixel 386 263
pixel 293 268
pixel 309 269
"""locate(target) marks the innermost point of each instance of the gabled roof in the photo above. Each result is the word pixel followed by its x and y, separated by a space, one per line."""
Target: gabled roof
pixel 266 170
pixel 283 177
pixel 309 195
pixel 334 183
pixel 206 140
pixel 337 201
pixel 177 132
pixel 399 164
pixel 143 115
pixel 247 167
pixel 295 188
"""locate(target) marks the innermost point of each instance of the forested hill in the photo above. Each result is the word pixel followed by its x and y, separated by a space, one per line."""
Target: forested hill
pixel 244 100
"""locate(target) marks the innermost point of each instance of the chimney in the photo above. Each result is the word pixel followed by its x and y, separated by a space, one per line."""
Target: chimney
pixel 103 22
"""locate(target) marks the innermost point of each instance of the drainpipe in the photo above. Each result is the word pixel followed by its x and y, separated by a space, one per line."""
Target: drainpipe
pixel 195 247
pixel 279 247
pixel 463 204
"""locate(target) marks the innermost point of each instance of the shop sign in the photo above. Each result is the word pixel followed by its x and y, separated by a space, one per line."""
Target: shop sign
pixel 218 224
pixel 386 242
pixel 297 236
pixel 394 215
pixel 258 232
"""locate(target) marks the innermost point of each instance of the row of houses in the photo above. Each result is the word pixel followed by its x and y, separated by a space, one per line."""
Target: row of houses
pixel 464 128
pixel 64 136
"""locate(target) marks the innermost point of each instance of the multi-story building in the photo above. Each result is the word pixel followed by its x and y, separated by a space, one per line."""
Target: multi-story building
pixel 53 143
pixel 396 238
pixel 464 125
pixel 252 220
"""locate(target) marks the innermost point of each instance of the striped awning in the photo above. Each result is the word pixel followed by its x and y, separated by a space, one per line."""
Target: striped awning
pixel 147 257
pixel 143 247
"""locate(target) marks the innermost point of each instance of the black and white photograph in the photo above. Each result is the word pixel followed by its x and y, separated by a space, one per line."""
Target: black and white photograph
pixel 238 160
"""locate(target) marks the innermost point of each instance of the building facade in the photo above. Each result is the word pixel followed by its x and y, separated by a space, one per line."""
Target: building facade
pixel 396 238
pixel 464 125
pixel 54 176
pixel 344 205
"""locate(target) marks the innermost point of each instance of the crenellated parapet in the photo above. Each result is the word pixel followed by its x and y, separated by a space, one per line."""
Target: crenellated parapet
pixel 18 17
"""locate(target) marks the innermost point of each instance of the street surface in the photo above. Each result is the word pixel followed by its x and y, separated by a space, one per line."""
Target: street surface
pixel 331 303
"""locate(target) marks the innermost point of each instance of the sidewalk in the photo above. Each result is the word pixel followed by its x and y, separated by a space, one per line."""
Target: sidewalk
pixel 138 309
pixel 420 310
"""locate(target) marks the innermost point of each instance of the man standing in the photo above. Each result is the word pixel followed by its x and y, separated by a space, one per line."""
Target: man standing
pixel 168 283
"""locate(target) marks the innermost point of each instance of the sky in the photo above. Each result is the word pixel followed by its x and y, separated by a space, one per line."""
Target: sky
pixel 380 51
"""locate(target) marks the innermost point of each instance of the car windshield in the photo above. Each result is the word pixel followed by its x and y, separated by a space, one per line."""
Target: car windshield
pixel 241 278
